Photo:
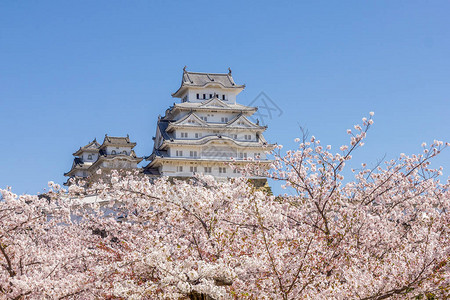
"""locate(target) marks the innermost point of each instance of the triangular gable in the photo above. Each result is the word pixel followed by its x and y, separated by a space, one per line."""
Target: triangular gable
pixel 92 145
pixel 191 119
pixel 242 121
pixel 215 102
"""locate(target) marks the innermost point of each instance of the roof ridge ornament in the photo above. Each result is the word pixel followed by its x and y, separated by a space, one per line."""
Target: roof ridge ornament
pixel 229 71
pixel 187 75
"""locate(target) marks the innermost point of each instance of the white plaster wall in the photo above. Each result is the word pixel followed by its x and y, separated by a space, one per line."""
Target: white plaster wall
pixel 212 117
pixel 218 151
pixel 240 134
pixel 230 96
pixel 170 169
pixel 85 157
pixel 118 150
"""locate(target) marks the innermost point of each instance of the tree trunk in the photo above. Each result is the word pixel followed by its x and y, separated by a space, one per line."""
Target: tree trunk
pixel 196 296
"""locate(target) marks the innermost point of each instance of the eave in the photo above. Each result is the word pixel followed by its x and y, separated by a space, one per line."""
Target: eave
pixel 213 138
pixel 221 126
pixel 129 145
pixel 157 160
pixel 81 151
pixel 182 89
pixel 115 157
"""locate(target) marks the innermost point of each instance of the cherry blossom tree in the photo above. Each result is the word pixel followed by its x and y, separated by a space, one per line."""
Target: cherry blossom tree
pixel 383 233
pixel 41 254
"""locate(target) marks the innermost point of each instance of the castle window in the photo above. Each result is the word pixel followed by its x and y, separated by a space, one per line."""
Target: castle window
pixel 204 96
pixel 236 171
pixel 180 169
pixel 223 97
pixel 113 152
pixel 247 137
pixel 224 120
pixel 90 157
pixel 210 96
pixel 243 155
pixel 193 169
pixel 179 153
pixel 184 134
pixel 257 155
pixel 207 169
pixel 193 153
pixel 222 170
pixel 235 136
pixel 125 152
pixel 198 96
pixel 198 135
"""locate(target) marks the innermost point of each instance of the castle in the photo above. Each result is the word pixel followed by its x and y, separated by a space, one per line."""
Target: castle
pixel 203 133
pixel 113 153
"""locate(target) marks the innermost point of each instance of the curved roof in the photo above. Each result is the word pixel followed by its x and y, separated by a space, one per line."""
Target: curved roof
pixel 211 138
pixel 91 147
pixel 196 79
pixel 199 123
pixel 213 104
pixel 115 157
pixel 117 141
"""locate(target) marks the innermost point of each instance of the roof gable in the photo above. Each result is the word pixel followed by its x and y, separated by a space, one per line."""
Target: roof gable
pixel 196 79
pixel 191 120
pixel 91 147
pixel 242 121
pixel 214 102
pixel 117 141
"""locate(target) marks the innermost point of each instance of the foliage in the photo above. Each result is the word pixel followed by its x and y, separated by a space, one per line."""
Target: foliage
pixel 383 234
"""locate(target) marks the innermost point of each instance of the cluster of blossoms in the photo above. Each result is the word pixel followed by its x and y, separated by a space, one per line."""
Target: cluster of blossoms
pixel 384 234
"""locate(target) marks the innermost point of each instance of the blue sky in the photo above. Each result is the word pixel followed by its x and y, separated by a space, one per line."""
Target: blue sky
pixel 72 71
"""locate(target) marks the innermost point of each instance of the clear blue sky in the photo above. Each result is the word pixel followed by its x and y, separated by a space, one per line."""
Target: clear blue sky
pixel 74 70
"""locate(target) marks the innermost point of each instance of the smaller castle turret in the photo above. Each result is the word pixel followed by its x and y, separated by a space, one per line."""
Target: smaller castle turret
pixel 113 153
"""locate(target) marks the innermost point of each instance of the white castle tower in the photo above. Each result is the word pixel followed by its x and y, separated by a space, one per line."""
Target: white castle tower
pixel 207 130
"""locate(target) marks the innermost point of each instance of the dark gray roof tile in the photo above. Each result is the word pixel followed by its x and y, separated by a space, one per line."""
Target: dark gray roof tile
pixel 117 141
pixel 196 79
pixel 92 146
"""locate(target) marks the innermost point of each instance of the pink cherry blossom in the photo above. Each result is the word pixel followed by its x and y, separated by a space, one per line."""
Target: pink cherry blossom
pixel 382 233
